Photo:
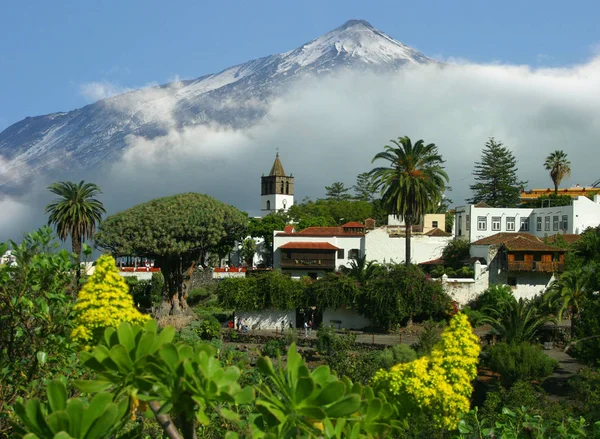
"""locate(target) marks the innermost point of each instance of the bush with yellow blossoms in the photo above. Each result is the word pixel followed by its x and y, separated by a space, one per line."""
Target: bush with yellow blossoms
pixel 439 385
pixel 103 302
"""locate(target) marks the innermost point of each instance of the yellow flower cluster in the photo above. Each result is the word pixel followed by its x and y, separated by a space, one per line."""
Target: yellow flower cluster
pixel 103 301
pixel 439 384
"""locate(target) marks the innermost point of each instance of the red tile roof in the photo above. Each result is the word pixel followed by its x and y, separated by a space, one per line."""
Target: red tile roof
pixel 309 246
pixel 438 261
pixel 518 242
pixel 322 231
pixel 354 224
pixel 437 232
pixel 289 228
pixel 502 237
pixel 569 238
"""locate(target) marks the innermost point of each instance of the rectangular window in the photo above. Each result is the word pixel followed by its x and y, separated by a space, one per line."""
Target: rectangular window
pixel 524 224
pixel 468 223
pixel 341 253
pixel 547 223
pixel 353 254
pixel 510 224
pixel 434 224
pixel 539 224
pixel 555 223
pixel 481 223
pixel 496 223
pixel 565 223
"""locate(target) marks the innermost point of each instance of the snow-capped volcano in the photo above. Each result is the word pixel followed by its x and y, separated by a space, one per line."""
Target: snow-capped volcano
pixel 236 97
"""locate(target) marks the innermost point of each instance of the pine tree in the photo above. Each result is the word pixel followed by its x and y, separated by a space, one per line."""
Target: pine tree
pixel 364 189
pixel 496 177
pixel 337 192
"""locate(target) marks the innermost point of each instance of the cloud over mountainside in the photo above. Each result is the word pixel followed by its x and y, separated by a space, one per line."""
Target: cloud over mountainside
pixel 328 127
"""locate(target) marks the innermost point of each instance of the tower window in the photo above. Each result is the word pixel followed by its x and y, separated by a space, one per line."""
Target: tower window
pixel 268 204
pixel 287 187
pixel 281 188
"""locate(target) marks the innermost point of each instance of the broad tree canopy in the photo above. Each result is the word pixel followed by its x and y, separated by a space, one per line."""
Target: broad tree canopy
pixel 177 231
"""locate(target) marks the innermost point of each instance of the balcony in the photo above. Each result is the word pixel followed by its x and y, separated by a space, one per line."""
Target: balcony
pixel 540 267
pixel 308 263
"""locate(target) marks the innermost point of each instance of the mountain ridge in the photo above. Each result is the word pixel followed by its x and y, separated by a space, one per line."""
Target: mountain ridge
pixel 236 97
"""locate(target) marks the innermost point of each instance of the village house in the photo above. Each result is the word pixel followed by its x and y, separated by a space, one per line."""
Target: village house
pixel 477 221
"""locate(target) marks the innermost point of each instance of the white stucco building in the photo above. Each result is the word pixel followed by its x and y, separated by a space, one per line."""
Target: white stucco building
pixel 317 250
pixel 475 222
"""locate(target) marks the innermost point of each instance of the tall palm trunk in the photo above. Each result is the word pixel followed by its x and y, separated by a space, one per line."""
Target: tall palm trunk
pixel 555 187
pixel 408 225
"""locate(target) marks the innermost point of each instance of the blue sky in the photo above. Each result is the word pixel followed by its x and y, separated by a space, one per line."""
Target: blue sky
pixel 49 50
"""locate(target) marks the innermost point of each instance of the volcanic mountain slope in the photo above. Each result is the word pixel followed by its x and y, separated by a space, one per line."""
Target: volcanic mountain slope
pixel 236 97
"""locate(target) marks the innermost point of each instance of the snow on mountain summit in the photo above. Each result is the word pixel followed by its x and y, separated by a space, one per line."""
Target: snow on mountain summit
pixel 239 96
pixel 355 39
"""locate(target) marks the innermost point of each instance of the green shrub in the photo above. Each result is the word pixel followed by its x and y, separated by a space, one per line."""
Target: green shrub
pixel 400 353
pixel 428 338
pixel 586 386
pixel 198 295
pixel 476 318
pixel 496 297
pixel 291 336
pixel 519 361
pixel 274 348
pixel 209 328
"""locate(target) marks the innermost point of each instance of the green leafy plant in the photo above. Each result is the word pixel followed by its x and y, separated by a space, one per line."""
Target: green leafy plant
pixel 519 361
pixel 75 418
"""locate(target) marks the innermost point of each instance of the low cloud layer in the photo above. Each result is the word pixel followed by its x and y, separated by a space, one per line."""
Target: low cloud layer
pixel 329 129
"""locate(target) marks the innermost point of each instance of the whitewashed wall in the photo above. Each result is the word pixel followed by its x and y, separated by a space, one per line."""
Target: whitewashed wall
pixel 267 318
pixel 466 290
pixel 350 319
pixel 381 247
pixel 141 275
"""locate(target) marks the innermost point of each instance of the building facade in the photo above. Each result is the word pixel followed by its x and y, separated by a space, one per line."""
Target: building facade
pixel 475 222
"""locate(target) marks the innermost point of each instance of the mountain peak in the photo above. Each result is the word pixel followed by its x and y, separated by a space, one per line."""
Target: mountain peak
pixel 356 41
pixel 356 22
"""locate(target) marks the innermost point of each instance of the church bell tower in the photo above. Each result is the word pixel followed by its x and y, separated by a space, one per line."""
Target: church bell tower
pixel 277 189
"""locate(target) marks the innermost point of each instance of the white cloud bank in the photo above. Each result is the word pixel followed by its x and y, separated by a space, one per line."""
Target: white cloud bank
pixel 329 129
pixel 97 90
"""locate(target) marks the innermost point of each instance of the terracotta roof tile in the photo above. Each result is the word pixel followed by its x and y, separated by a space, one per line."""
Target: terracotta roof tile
pixel 353 224
pixel 569 238
pixel 290 228
pixel 517 242
pixel 309 246
pixel 437 232
pixel 438 261
pixel 502 237
pixel 322 231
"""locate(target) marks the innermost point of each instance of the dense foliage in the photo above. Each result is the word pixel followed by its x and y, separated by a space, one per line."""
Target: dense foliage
pixel 35 317
pixel 177 232
pixel 496 181
pixel 519 361
pixel 402 293
pixel 268 290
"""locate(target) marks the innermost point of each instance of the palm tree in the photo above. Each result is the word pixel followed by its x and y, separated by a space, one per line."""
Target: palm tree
pixel 413 183
pixel 361 270
pixel 517 321
pixel 559 167
pixel 75 213
pixel 571 289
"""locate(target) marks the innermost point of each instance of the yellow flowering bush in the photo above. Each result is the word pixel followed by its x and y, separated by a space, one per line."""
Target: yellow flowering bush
pixel 104 301
pixel 439 384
